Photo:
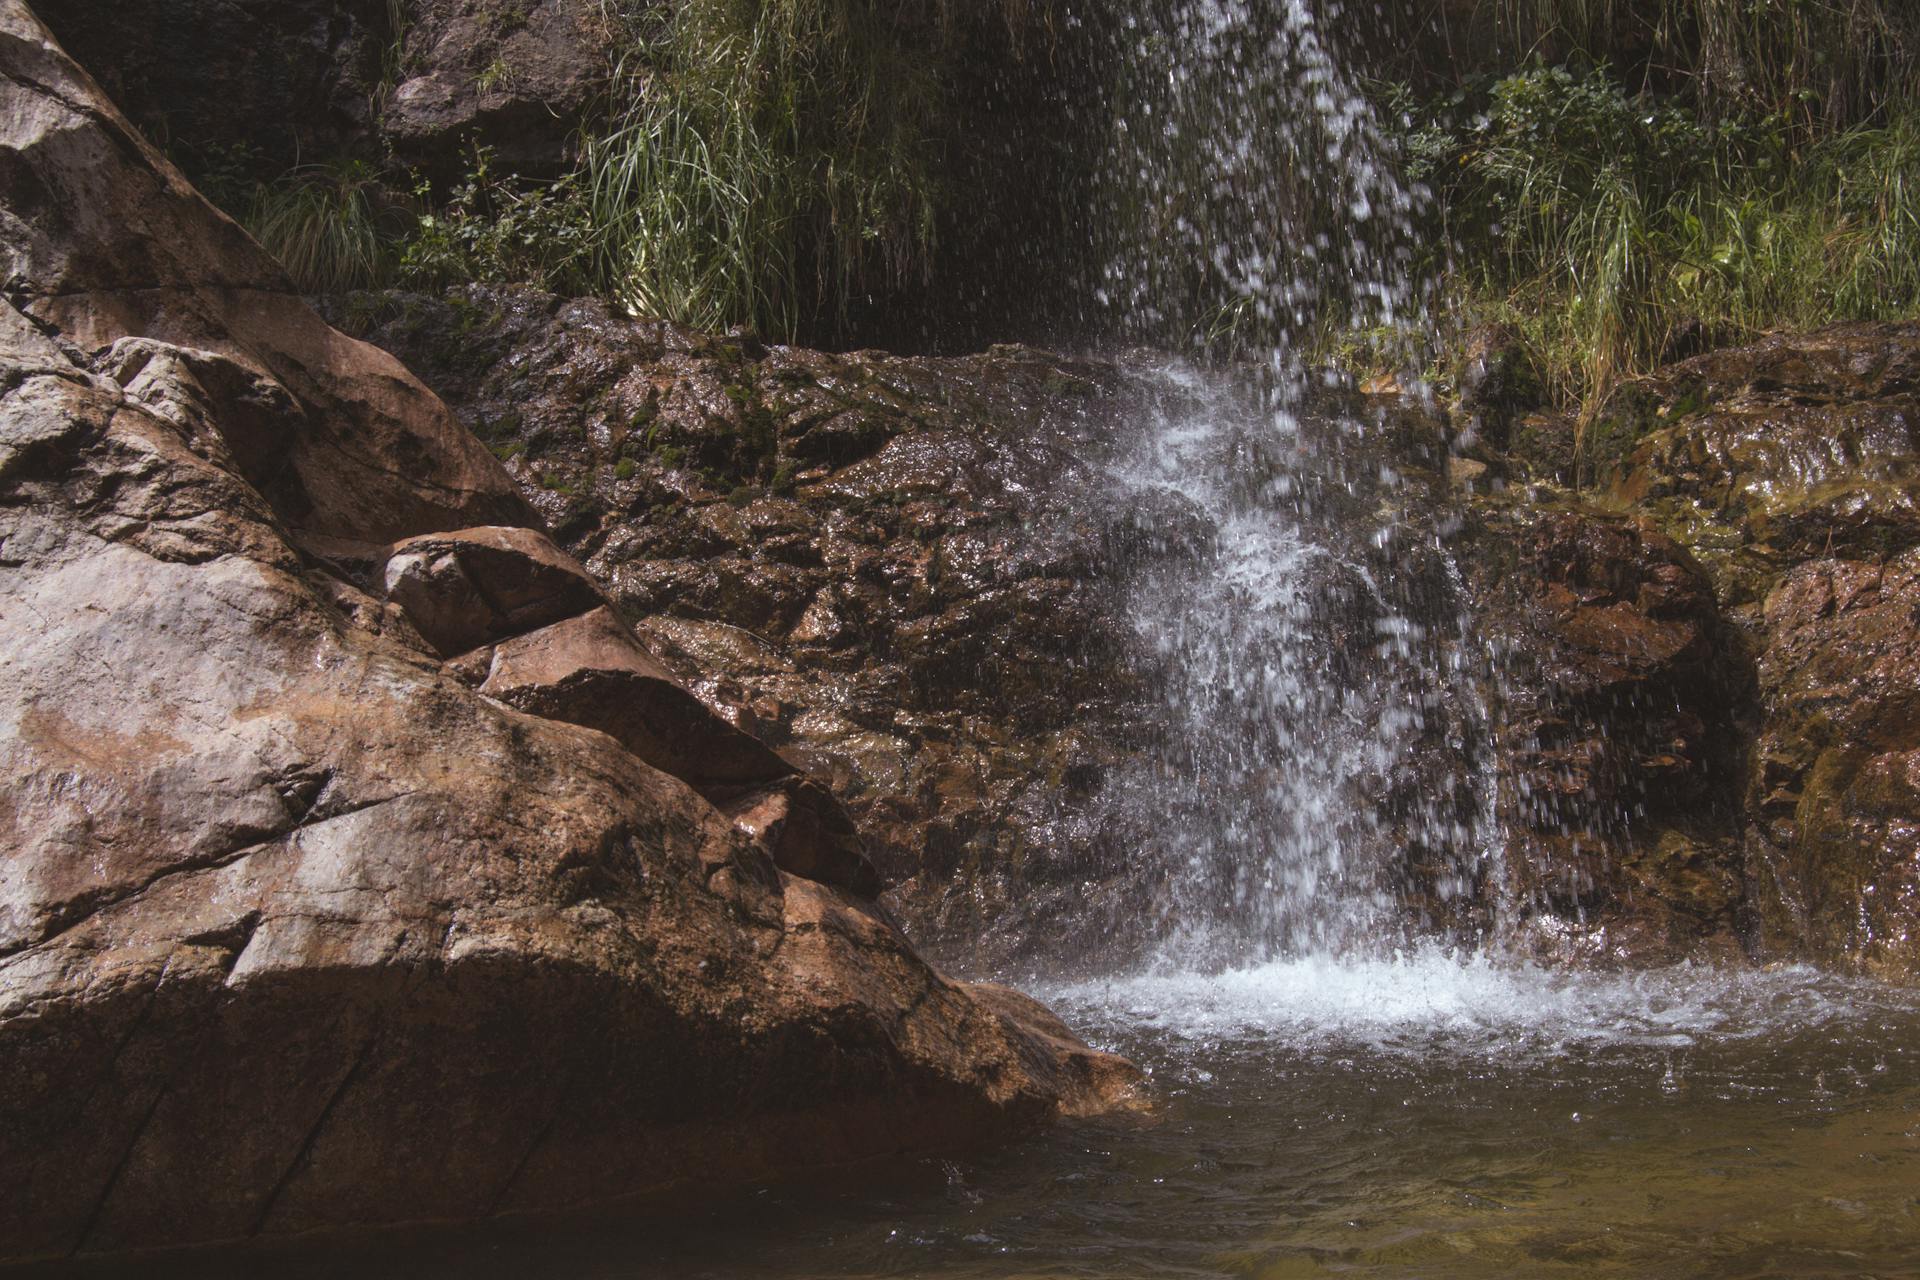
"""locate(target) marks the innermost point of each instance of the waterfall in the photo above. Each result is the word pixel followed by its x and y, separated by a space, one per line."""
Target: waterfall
pixel 1320 784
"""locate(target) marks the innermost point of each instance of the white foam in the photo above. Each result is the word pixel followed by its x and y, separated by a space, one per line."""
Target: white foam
pixel 1432 1000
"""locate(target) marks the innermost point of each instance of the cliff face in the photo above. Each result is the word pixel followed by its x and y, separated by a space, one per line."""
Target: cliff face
pixel 357 862
pixel 903 571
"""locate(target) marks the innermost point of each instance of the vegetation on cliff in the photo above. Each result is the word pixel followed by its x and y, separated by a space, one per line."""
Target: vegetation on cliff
pixel 1614 182
pixel 1626 182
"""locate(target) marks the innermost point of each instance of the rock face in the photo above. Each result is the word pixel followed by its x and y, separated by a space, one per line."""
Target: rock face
pixel 1792 467
pixel 299 80
pixel 428 80
pixel 1618 702
pixel 298 926
pixel 885 567
pixel 899 572
pixel 514 76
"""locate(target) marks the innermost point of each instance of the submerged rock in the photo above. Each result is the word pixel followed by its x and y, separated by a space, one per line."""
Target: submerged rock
pixel 298 929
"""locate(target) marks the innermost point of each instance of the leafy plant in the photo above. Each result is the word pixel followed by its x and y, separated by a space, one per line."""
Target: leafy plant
pixel 502 230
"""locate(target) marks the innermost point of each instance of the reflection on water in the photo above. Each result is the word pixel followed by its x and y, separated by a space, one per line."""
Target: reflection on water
pixel 1408 1118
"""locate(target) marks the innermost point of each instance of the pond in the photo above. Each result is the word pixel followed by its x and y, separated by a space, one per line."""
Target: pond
pixel 1416 1116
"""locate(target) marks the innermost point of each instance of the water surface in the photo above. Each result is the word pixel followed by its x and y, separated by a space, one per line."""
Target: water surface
pixel 1410 1117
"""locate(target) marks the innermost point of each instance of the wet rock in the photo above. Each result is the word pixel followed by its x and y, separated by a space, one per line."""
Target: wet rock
pixel 1497 384
pixel 297 929
pixel 1758 458
pixel 881 564
pixel 1621 691
pixel 514 76
pixel 1835 784
pixel 464 589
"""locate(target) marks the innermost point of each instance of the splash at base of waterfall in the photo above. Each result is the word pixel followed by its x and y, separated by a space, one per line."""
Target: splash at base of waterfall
pixel 1431 1000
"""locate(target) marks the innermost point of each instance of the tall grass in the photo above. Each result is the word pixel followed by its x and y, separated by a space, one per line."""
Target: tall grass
pixel 1821 64
pixel 766 162
pixel 327 224
pixel 1612 231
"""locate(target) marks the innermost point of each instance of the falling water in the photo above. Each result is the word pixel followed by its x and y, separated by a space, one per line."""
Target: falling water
pixel 1309 639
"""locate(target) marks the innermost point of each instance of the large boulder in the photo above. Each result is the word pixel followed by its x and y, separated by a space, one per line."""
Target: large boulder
pixel 1798 447
pixel 1618 696
pixel 298 929
pixel 513 76
pixel 104 242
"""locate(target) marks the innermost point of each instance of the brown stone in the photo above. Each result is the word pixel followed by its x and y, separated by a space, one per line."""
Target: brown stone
pixel 297 930
pixel 465 588
pixel 106 242
pixel 591 671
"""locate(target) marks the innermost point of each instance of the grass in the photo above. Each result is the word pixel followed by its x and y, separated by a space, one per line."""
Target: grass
pixel 1824 65
pixel 768 161
pixel 1612 231
pixel 327 225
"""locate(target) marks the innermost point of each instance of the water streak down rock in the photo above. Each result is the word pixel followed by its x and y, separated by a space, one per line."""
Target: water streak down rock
pixel 298 928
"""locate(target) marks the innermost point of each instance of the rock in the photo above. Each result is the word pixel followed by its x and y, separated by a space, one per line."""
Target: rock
pixel 298 930
pixel 105 242
pixel 591 670
pixel 1497 383
pixel 806 832
pixel 882 563
pixel 512 76
pixel 1791 469
pixel 1758 458
pixel 1835 785
pixel 464 589
pixel 1621 691
pixel 254 85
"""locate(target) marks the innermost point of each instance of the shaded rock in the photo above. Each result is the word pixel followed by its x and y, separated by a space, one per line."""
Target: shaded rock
pixel 464 589
pixel 1835 785
pixel 104 241
pixel 254 84
pixel 514 76
pixel 806 832
pixel 1620 704
pixel 297 930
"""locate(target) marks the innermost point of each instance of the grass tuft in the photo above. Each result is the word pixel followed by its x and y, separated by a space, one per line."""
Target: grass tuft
pixel 325 225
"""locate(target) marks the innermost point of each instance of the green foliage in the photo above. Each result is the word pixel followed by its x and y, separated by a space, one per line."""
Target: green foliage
pixel 759 163
pixel 768 160
pixel 329 225
pixel 1818 65
pixel 1612 230
pixel 503 231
